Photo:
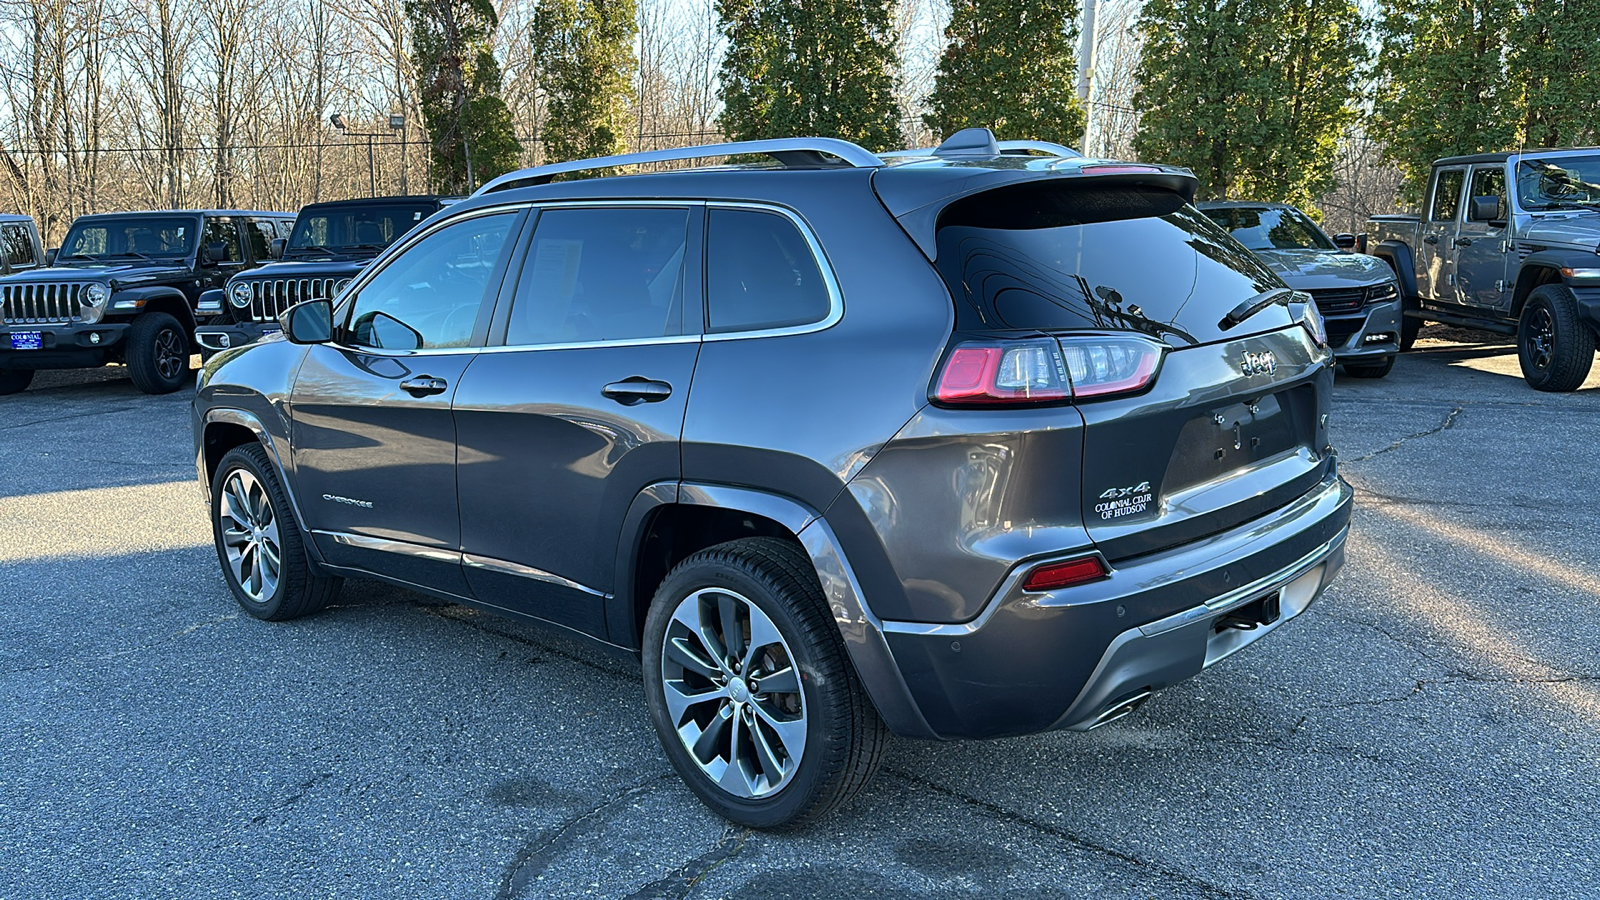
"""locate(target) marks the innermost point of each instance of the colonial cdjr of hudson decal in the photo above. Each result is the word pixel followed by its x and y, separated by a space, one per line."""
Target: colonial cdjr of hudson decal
pixel 1124 501
pixel 364 504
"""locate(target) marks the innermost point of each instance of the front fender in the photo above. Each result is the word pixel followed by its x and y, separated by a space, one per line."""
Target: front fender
pixel 1545 266
pixel 130 301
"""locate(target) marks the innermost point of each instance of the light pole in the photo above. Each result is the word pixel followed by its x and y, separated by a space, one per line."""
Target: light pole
pixel 398 123
pixel 337 121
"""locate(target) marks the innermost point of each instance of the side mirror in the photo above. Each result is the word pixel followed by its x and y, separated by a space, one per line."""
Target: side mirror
pixel 214 252
pixel 385 332
pixel 276 248
pixel 50 256
pixel 1344 241
pixel 309 322
pixel 1484 209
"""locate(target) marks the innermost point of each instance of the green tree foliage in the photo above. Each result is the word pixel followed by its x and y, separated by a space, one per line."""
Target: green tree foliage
pixel 1010 66
pixel 1444 88
pixel 1250 94
pixel 816 67
pixel 459 79
pixel 1554 58
pixel 586 65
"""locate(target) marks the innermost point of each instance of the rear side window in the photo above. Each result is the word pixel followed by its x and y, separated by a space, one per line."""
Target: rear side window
pixel 596 274
pixel 18 246
pixel 760 273
pixel 1061 258
pixel 1447 196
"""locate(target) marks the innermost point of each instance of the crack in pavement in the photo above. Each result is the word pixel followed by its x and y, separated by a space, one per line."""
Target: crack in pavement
pixel 1082 843
pixel 536 855
pixel 1449 420
pixel 678 884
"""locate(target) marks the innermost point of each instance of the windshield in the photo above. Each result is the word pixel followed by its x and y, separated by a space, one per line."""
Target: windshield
pixel 1571 182
pixel 144 236
pixel 355 228
pixel 1268 228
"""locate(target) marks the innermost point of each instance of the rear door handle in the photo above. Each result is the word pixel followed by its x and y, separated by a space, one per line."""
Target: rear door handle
pixel 1431 239
pixel 1463 242
pixel 424 385
pixel 635 390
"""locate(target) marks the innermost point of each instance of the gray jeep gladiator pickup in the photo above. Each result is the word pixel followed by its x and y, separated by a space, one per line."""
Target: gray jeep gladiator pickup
pixel 1510 243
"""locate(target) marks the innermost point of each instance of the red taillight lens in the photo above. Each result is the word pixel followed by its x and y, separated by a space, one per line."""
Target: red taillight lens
pixel 1003 373
pixel 1037 370
pixel 1053 576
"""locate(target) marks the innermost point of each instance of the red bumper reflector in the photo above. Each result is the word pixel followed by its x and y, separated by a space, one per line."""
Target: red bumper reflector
pixel 1053 576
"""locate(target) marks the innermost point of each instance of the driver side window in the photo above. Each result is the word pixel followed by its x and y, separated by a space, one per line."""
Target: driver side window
pixel 429 296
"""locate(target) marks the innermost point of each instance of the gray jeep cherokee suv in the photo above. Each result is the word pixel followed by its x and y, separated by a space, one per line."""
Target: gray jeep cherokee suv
pixel 950 444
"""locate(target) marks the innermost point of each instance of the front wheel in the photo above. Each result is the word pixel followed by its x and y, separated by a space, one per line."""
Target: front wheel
pixel 1409 328
pixel 749 688
pixel 258 543
pixel 1555 347
pixel 158 353
pixel 15 381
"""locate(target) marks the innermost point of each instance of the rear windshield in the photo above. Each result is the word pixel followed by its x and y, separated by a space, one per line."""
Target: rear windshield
pixel 1067 258
pixel 355 228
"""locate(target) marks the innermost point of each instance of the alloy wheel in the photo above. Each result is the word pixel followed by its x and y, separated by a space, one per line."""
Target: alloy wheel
pixel 733 693
pixel 1541 338
pixel 170 359
pixel 250 535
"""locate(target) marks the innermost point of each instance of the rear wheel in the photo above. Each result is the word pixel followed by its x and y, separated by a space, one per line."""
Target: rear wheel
pixel 749 688
pixel 158 353
pixel 1555 347
pixel 15 381
pixel 260 547
pixel 1369 370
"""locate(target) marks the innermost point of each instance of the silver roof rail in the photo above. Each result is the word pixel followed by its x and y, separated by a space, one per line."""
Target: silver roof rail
pixel 788 151
pixel 1016 148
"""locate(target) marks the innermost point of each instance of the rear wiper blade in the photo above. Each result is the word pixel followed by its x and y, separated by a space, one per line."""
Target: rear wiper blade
pixel 1254 305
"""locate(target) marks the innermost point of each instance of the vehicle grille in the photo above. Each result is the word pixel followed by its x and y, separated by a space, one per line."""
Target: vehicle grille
pixel 269 298
pixel 1333 301
pixel 28 304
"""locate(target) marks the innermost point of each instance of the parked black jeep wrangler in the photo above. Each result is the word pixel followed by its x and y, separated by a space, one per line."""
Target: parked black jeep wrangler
pixel 122 288
pixel 332 242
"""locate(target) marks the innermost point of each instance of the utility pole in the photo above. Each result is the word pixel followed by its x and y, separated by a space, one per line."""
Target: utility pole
pixel 1086 46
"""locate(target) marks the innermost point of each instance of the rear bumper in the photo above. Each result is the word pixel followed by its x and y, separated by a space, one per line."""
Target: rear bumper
pixel 221 337
pixel 1367 336
pixel 62 345
pixel 1077 658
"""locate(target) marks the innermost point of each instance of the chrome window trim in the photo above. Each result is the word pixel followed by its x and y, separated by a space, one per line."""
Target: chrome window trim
pixel 352 291
pixel 835 296
pixel 506 567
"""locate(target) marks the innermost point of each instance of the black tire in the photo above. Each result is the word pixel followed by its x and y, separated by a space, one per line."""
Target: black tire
pixel 844 739
pixel 1408 331
pixel 157 353
pixel 15 381
pixel 1555 347
pixel 297 590
pixel 1369 370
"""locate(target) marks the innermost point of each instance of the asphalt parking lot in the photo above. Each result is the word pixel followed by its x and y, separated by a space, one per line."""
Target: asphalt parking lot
pixel 1430 728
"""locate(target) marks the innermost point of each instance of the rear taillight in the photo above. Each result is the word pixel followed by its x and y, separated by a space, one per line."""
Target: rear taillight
pixel 1040 370
pixel 1054 576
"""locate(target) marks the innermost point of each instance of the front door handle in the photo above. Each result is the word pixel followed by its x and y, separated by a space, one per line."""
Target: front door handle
pixel 424 385
pixel 1431 239
pixel 631 391
pixel 1463 242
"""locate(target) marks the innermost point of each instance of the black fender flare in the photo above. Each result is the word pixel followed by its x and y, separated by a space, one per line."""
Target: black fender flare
pixel 160 298
pixel 1398 255
pixel 862 631
pixel 1545 267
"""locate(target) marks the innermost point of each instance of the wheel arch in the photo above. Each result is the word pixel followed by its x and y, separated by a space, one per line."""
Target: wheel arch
pixel 168 300
pixel 1540 269
pixel 225 429
pixel 667 522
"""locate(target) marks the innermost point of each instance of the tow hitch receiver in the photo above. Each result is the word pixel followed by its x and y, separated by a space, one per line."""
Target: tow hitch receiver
pixel 1258 612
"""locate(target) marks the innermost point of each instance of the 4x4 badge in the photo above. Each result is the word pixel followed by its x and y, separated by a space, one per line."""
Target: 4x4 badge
pixel 1259 363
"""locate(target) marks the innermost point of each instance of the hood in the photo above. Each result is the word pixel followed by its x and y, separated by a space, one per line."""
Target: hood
pixel 1306 270
pixel 321 268
pixel 121 276
pixel 1576 230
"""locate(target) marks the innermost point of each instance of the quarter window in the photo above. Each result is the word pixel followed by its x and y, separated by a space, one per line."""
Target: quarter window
pixel 18 246
pixel 597 274
pixel 760 273
pixel 1447 196
pixel 429 296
